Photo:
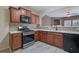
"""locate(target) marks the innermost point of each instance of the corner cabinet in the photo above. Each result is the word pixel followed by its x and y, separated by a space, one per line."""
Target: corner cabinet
pixel 14 15
pixel 52 38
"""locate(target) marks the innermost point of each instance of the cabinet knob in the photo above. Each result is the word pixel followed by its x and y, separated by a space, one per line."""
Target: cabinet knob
pixel 70 48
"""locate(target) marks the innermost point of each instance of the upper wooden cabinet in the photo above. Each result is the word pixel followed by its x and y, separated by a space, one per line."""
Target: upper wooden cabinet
pixel 34 19
pixel 14 15
pixel 37 19
pixel 22 11
pixel 25 12
pixel 28 13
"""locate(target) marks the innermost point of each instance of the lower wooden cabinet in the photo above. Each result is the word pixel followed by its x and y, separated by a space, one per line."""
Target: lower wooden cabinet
pixel 53 38
pixel 15 41
pixel 37 36
pixel 58 40
pixel 50 38
pixel 43 35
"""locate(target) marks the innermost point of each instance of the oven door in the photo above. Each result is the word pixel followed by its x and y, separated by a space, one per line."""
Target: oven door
pixel 28 38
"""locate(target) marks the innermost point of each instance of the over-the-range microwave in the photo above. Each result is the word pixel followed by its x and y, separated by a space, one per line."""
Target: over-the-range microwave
pixel 25 19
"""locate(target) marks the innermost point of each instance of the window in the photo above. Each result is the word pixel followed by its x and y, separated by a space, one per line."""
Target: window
pixel 67 23
pixel 75 22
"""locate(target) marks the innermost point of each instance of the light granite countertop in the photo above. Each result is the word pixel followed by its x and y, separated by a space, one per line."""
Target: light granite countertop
pixel 61 31
pixel 15 32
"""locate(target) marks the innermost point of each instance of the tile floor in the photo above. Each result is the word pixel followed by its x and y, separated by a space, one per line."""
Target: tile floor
pixel 40 47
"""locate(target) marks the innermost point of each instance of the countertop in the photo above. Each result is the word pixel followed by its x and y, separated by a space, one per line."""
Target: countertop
pixel 15 32
pixel 61 31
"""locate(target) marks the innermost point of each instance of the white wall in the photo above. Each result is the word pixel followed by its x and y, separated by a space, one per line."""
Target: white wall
pixel 4 27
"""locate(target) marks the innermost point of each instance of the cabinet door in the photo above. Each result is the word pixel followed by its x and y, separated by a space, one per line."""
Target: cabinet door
pixel 14 15
pixel 59 40
pixel 37 19
pixel 43 36
pixel 37 36
pixel 33 19
pixel 16 42
pixel 50 38
pixel 23 11
pixel 28 12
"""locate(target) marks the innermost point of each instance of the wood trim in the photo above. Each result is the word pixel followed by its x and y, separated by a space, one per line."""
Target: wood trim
pixel 21 8
pixel 13 7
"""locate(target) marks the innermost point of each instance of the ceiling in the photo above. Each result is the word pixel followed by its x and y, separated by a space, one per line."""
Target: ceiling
pixel 56 11
pixel 43 9
pixel 73 10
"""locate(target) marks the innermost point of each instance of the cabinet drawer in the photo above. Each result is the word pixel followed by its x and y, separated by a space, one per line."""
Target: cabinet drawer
pixel 16 34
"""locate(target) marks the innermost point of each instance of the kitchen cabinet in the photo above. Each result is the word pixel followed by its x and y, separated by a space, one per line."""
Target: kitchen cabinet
pixel 37 19
pixel 15 41
pixel 23 11
pixel 33 19
pixel 58 40
pixel 28 13
pixel 14 15
pixel 50 38
pixel 43 35
pixel 37 36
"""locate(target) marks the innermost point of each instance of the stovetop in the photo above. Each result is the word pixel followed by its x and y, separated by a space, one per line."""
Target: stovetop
pixel 25 30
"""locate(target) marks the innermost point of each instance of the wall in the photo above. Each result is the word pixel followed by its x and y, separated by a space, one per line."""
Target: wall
pixel 46 21
pixel 4 27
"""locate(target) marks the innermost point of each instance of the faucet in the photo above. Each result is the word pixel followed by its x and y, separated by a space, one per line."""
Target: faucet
pixel 56 28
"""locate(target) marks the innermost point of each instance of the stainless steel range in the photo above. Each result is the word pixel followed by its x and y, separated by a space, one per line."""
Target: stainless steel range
pixel 28 36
